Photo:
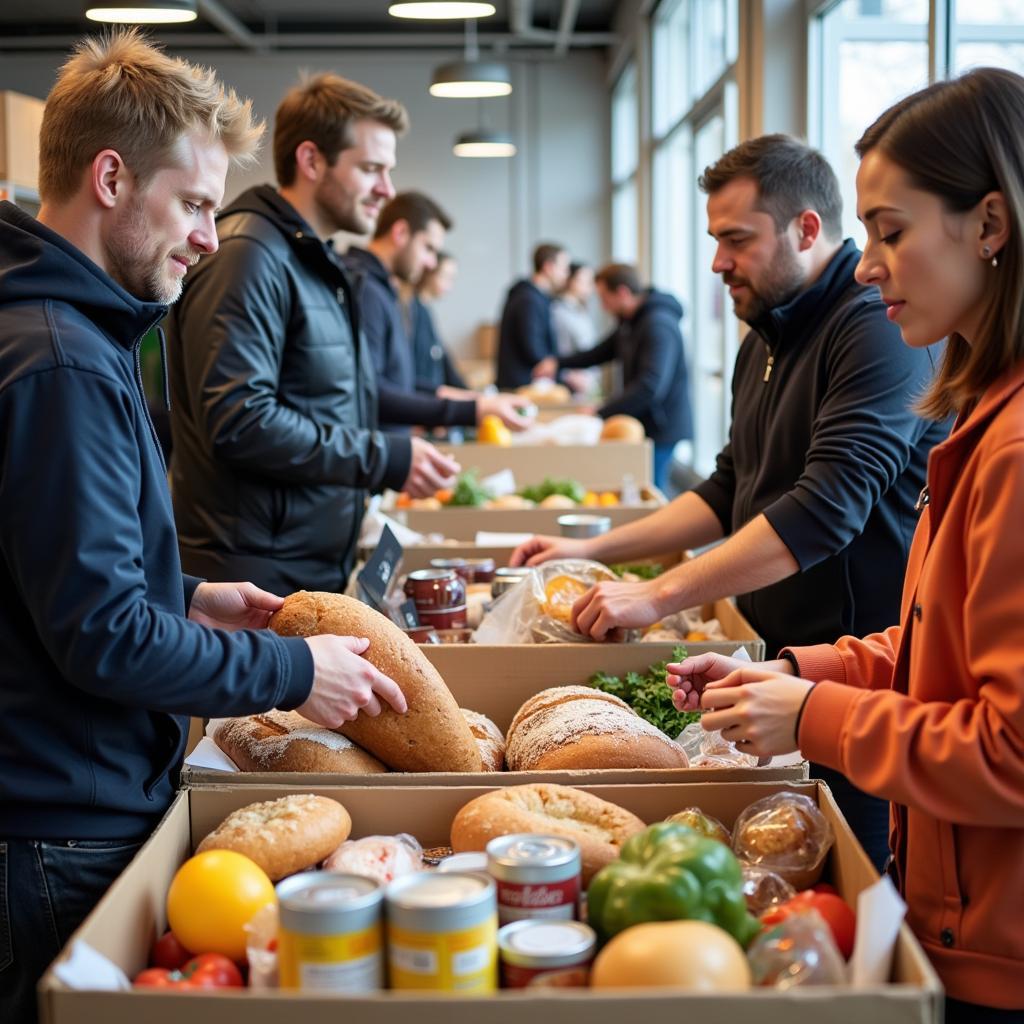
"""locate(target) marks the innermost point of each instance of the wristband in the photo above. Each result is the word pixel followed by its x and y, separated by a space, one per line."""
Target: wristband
pixel 800 715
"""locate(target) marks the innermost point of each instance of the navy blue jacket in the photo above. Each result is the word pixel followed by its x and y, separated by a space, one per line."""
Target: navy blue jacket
pixel 433 364
pixel 824 443
pixel 655 385
pixel 99 668
pixel 400 405
pixel 526 335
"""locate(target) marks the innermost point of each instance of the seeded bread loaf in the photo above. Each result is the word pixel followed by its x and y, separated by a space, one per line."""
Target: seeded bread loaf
pixel 432 736
pixel 284 741
pixel 576 727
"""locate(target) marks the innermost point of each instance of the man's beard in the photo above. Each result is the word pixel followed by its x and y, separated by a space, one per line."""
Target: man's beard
pixel 139 269
pixel 341 211
pixel 783 278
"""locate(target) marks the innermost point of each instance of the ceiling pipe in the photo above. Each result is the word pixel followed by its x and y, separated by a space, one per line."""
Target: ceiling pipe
pixel 220 17
pixel 567 22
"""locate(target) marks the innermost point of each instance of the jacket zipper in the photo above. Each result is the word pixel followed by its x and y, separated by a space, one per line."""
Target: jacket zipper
pixel 768 369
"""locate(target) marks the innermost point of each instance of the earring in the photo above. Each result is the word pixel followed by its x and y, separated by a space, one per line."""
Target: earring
pixel 986 252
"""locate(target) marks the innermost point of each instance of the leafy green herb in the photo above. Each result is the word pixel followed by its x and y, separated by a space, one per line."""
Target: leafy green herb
pixel 566 488
pixel 468 491
pixel 649 695
pixel 645 570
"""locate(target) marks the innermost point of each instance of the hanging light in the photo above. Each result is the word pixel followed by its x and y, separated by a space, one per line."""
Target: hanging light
pixel 441 10
pixel 471 78
pixel 484 144
pixel 143 12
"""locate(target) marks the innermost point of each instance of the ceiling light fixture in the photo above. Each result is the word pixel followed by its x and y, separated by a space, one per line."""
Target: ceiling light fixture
pixel 484 144
pixel 441 10
pixel 144 12
pixel 471 78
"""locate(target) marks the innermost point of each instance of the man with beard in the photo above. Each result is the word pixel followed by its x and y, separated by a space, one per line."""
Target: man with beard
pixel 410 234
pixel 106 647
pixel 274 401
pixel 816 489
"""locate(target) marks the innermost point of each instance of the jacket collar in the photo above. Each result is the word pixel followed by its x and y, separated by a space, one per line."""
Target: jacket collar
pixel 806 310
pixel 369 264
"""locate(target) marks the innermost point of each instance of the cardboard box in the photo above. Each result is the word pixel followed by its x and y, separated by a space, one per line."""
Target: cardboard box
pixel 598 467
pixel 126 921
pixel 496 681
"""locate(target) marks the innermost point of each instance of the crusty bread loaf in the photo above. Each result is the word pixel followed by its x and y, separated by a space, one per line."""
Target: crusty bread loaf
pixel 577 727
pixel 283 836
pixel 623 428
pixel 284 741
pixel 488 739
pixel 599 827
pixel 432 736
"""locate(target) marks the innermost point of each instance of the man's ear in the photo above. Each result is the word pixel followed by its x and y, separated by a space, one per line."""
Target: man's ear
pixel 109 178
pixel 808 224
pixel 400 234
pixel 308 160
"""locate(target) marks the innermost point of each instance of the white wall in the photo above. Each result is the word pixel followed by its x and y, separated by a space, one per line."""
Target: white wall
pixel 555 188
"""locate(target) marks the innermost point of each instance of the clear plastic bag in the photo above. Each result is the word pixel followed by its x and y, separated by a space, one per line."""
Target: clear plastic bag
pixel 764 889
pixel 383 858
pixel 706 824
pixel 787 834
pixel 710 750
pixel 261 947
pixel 686 625
pixel 798 951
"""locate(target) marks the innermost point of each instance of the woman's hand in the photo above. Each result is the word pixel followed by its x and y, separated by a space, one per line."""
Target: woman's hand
pixel 233 606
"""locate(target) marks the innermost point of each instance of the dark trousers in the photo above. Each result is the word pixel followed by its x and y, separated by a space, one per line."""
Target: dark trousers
pixel 46 890
pixel 867 816
pixel 662 465
pixel 971 1013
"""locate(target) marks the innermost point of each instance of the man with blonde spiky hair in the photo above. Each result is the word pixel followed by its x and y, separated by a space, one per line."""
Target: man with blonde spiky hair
pixel 105 647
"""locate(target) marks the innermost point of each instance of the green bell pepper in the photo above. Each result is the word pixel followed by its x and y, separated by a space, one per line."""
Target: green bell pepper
pixel 669 872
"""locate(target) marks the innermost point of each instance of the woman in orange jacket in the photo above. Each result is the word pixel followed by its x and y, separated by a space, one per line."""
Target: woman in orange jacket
pixel 930 714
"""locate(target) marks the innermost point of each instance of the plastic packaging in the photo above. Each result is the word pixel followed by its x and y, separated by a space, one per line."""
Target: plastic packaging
pixel 787 834
pixel 705 824
pixel 799 951
pixel 764 889
pixel 684 626
pixel 261 947
pixel 382 858
pixel 710 750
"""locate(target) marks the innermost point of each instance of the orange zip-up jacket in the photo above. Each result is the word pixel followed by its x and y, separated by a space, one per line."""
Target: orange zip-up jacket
pixel 930 713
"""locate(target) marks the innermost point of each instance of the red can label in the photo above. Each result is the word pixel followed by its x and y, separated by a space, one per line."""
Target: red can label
pixel 520 900
pixel 548 977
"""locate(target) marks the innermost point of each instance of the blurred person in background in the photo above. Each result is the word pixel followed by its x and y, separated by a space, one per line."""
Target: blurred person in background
pixel 570 312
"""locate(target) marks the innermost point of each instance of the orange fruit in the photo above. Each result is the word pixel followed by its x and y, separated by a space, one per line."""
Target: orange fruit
pixel 213 897
pixel 608 498
pixel 493 431
pixel 590 499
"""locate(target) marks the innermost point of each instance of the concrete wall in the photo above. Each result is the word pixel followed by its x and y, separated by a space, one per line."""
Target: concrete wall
pixel 555 188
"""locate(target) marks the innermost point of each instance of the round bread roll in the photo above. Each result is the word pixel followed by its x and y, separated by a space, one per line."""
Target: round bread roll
pixel 574 727
pixel 623 428
pixel 284 741
pixel 488 739
pixel 431 736
pixel 283 836
pixel 599 827
pixel 546 393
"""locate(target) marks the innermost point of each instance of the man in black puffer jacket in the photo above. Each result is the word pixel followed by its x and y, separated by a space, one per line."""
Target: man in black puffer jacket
pixel 273 388
pixel 648 345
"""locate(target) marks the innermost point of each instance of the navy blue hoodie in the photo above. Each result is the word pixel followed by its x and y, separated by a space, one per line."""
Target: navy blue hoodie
pixel 526 335
pixel 99 668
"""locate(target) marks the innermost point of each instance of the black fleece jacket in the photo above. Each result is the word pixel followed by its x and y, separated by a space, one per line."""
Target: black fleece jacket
pixel 824 443
pixel 526 335
pixel 273 406
pixel 401 405
pixel 99 668
pixel 655 385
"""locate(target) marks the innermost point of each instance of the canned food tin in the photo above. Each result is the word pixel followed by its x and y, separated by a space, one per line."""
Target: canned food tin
pixel 560 952
pixel 329 939
pixel 505 579
pixel 482 569
pixel 439 596
pixel 472 860
pixel 443 932
pixel 536 875
pixel 459 566
pixel 583 525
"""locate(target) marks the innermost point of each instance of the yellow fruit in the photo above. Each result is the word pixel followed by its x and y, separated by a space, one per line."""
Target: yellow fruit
pixel 608 498
pixel 493 431
pixel 561 593
pixel 590 499
pixel 211 899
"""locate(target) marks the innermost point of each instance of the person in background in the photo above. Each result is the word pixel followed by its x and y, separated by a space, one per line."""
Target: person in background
pixel 815 491
pixel 274 414
pixel 107 647
pixel 527 334
pixel 570 312
pixel 648 346
pixel 930 713
pixel 409 235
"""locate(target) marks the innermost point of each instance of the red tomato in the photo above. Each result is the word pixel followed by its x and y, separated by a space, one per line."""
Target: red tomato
pixel 169 952
pixel 841 920
pixel 156 977
pixel 825 887
pixel 212 970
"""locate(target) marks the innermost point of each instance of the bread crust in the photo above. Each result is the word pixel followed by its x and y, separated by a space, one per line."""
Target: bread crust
pixel 576 727
pixel 283 836
pixel 284 741
pixel 432 736
pixel 488 738
pixel 599 827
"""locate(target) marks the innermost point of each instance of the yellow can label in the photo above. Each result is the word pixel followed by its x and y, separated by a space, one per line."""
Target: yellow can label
pixel 352 962
pixel 463 961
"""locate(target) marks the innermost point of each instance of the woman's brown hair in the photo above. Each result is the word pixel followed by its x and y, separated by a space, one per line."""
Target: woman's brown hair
pixel 960 140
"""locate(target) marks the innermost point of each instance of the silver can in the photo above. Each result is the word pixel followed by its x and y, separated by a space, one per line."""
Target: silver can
pixel 537 876
pixel 558 951
pixel 583 525
pixel 471 860
pixel 505 579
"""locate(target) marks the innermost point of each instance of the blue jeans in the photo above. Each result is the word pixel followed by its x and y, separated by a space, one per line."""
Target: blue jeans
pixel 662 465
pixel 46 890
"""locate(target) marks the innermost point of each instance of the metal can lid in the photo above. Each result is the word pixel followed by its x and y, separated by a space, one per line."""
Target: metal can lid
pixel 515 572
pixel 527 849
pixel 470 861
pixel 432 574
pixel 322 902
pixel 428 890
pixel 543 942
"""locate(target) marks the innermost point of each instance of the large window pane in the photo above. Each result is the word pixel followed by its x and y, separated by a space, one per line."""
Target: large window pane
pixel 671 60
pixel 711 56
pixel 989 33
pixel 673 225
pixel 625 126
pixel 625 223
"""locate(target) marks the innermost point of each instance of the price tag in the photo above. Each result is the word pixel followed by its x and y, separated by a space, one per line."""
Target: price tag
pixel 376 577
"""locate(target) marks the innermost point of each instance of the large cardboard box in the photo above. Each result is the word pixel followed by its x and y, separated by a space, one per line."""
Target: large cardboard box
pixel 124 924
pixel 496 681
pixel 598 467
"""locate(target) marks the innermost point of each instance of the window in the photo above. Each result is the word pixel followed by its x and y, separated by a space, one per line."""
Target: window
pixel 625 165
pixel 988 33
pixel 695 114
